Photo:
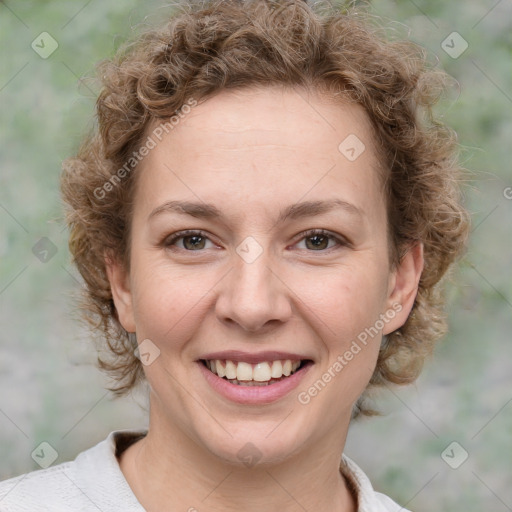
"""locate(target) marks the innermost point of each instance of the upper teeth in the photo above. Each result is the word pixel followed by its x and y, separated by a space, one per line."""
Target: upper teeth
pixel 259 372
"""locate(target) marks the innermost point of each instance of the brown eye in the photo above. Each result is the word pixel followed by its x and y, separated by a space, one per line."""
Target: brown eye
pixel 193 242
pixel 190 241
pixel 318 240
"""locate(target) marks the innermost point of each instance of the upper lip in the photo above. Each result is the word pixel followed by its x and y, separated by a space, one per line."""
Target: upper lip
pixel 254 357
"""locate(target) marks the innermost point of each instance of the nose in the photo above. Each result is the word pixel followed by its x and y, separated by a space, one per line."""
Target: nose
pixel 253 295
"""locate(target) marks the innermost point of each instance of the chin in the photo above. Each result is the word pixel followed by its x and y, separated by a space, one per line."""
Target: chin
pixel 247 447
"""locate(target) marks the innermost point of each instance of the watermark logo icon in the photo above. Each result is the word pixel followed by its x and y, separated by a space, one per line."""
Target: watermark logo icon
pixel 454 45
pixel 44 455
pixel 249 250
pixel 44 250
pixel 249 455
pixel 44 45
pixel 147 352
pixel 352 147
pixel 454 455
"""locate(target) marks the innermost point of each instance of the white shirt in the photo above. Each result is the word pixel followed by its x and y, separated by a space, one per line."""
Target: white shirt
pixel 94 482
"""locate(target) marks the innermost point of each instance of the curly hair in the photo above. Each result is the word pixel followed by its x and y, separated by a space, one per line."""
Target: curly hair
pixel 227 44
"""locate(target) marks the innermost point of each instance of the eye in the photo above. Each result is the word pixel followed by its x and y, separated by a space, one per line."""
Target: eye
pixel 191 240
pixel 318 240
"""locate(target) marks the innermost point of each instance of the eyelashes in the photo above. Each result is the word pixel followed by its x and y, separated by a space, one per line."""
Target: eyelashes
pixel 196 240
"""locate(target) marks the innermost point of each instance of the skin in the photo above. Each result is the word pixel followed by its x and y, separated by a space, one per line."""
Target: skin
pixel 252 152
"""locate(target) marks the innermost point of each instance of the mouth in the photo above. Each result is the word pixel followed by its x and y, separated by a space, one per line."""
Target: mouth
pixel 263 373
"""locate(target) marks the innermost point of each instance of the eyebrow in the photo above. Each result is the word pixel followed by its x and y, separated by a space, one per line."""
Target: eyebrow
pixel 294 211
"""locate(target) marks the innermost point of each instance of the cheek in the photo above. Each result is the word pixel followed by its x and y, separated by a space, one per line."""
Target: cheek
pixel 347 300
pixel 169 302
pixel 347 315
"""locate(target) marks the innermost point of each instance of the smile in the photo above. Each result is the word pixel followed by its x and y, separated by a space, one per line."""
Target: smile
pixel 255 383
pixel 246 374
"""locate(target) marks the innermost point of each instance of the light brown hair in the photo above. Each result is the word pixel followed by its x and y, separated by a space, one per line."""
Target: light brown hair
pixel 241 43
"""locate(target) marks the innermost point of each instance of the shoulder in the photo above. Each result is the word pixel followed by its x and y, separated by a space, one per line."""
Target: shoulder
pixel 388 504
pixel 368 499
pixel 38 490
pixel 93 481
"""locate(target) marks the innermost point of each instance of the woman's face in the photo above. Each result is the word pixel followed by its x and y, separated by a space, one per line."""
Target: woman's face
pixel 261 171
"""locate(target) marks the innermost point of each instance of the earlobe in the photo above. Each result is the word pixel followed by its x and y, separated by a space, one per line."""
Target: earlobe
pixel 404 286
pixel 119 280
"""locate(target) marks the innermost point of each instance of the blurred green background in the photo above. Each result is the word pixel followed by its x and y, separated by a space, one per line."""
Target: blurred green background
pixel 49 388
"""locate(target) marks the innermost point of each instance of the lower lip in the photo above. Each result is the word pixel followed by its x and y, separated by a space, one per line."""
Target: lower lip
pixel 254 394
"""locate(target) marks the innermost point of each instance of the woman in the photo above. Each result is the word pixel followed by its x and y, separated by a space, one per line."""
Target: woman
pixel 263 219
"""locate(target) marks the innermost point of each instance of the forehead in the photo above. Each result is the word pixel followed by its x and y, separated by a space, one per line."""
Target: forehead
pixel 263 145
pixel 269 115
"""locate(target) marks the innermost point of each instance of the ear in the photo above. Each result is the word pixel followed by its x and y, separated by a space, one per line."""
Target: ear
pixel 403 287
pixel 119 280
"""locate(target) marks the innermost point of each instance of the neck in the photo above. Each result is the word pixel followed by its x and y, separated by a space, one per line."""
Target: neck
pixel 168 467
